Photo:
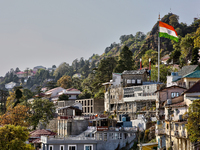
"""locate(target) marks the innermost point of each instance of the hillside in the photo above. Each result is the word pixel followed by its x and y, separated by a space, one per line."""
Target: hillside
pixel 139 44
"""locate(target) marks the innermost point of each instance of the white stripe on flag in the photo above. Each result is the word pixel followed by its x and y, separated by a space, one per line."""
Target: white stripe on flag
pixel 165 30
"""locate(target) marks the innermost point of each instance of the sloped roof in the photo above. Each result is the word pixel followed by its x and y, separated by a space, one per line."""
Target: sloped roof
pixel 38 133
pixel 178 104
pixel 174 86
pixel 166 57
pixel 38 67
pixel 194 74
pixel 37 140
pixel 194 89
pixel 52 90
pixel 21 72
pixel 187 69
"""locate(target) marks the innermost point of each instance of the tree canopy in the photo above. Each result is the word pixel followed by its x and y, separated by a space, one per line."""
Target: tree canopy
pixel 14 137
pixel 42 111
pixel 65 82
pixel 125 61
pixel 193 124
pixel 18 115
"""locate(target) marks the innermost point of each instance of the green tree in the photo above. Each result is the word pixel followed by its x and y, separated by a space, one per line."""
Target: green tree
pixel 63 97
pixel 149 54
pixel 197 38
pixel 85 94
pixel 51 84
pixel 164 71
pixel 42 111
pixel 76 83
pixel 125 61
pixel 27 94
pixel 65 82
pixel 61 70
pixel 195 56
pixel 86 69
pixel 187 44
pixel 104 72
pixel 14 137
pixel 173 20
pixel 193 124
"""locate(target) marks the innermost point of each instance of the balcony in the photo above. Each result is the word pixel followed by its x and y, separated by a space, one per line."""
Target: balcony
pixel 176 133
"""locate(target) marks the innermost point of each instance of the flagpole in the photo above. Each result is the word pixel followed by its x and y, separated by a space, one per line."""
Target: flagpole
pixel 158 51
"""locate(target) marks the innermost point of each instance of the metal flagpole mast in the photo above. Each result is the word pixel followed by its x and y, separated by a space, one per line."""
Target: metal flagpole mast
pixel 158 51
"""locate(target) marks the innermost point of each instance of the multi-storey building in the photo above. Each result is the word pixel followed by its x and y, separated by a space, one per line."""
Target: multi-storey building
pixel 162 96
pixel 133 95
pixel 92 106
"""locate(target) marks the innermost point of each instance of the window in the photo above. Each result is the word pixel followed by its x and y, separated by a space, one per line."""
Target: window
pixel 174 94
pixel 50 147
pixel 91 102
pixel 69 95
pixel 91 110
pixel 61 147
pixel 88 102
pixel 88 147
pixel 105 136
pixel 71 147
pixel 130 106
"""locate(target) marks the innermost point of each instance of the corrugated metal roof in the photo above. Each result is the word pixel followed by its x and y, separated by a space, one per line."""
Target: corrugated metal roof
pixel 194 74
pixel 187 69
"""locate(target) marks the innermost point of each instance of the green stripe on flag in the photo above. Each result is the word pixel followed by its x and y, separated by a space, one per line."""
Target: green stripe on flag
pixel 161 34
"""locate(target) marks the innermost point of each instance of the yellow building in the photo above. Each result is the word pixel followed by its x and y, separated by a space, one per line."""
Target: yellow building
pixel 148 146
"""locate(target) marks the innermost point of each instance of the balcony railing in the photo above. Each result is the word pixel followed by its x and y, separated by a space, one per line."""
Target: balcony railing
pixel 176 133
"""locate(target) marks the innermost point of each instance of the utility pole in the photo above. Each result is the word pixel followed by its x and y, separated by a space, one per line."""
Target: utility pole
pixel 158 53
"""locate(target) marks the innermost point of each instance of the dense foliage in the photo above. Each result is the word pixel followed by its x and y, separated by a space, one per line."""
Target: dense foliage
pixel 88 75
pixel 14 137
pixel 193 124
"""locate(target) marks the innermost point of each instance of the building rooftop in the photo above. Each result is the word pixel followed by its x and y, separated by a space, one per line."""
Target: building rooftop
pixel 187 69
pixel 194 74
pixel 133 71
pixel 194 89
pixel 38 133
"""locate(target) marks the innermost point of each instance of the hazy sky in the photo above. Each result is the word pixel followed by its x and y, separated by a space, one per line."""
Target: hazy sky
pixel 49 32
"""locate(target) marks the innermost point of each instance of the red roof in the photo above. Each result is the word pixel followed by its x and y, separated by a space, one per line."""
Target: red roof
pixel 36 141
pixel 178 104
pixel 20 72
pixel 39 133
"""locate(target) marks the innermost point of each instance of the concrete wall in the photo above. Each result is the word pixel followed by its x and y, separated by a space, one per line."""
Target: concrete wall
pixel 139 123
pixel 113 144
pixel 78 126
pixel 71 127
pixel 98 105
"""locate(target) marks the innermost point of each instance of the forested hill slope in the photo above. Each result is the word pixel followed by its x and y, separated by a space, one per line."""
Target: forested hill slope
pixel 140 43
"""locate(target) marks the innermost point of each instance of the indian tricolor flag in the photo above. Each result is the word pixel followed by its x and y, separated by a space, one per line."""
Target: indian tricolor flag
pixel 167 31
